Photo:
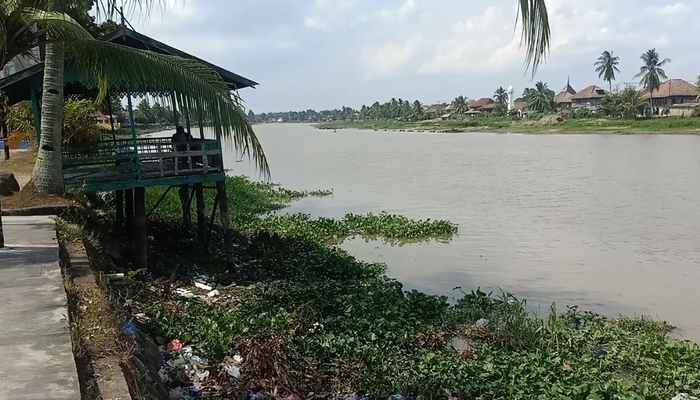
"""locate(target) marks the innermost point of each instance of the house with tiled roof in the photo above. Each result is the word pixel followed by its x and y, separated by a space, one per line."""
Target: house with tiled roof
pixel 564 99
pixel 589 97
pixel 672 92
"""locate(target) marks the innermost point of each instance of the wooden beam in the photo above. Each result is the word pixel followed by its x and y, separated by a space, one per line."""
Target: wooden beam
pixel 129 209
pixel 184 192
pixel 132 122
pixel 119 209
pixel 140 234
pixel 225 222
pixel 201 218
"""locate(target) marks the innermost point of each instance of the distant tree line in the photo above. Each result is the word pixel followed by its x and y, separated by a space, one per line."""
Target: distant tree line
pixel 157 114
pixel 398 109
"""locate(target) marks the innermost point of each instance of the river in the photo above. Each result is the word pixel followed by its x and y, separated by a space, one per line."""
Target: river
pixel 608 222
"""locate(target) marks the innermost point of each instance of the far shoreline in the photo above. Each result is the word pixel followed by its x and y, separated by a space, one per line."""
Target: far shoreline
pixel 568 127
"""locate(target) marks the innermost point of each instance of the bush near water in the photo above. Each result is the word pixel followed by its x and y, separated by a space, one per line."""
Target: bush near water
pixel 306 317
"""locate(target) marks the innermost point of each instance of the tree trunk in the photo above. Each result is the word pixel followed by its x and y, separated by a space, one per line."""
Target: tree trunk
pixel 47 175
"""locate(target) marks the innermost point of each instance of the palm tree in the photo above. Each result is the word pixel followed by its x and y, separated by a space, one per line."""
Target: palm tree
pixel 459 104
pixel 606 66
pixel 652 73
pixel 540 99
pixel 501 96
pixel 111 65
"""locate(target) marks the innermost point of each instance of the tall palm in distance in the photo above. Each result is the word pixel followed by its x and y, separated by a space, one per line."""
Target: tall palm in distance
pixel 606 66
pixel 651 73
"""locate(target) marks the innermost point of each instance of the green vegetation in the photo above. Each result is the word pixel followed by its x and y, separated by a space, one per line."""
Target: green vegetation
pixel 253 204
pixel 306 317
pixel 540 98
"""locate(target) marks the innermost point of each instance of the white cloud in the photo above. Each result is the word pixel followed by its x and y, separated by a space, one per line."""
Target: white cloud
pixel 389 58
pixel 673 9
pixel 482 42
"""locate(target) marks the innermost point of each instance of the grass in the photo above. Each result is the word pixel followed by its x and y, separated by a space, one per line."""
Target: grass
pixel 504 124
pixel 307 317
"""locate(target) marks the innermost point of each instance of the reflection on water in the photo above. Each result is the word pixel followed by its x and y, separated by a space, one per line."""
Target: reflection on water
pixel 608 222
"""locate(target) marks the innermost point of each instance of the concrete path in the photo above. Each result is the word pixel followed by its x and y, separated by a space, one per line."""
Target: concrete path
pixel 36 357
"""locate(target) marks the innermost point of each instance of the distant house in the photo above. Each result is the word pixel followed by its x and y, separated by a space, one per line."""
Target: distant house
pixel 589 98
pixel 484 104
pixel 564 99
pixel 672 92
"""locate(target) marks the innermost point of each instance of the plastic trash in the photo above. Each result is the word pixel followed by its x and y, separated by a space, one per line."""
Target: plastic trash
pixel 129 328
pixel 184 293
pixel 175 346
pixel 203 286
pixel 232 366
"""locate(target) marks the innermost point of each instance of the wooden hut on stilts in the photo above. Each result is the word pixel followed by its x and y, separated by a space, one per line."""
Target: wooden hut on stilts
pixel 129 165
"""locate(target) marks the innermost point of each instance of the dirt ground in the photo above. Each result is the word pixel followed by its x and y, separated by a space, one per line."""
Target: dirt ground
pixel 21 164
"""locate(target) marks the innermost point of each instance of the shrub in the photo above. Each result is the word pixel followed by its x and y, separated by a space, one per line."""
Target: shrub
pixel 583 113
pixel 79 124
pixel 20 123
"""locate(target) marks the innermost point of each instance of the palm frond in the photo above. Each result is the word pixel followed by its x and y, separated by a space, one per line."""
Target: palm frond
pixel 59 26
pixel 122 69
pixel 535 35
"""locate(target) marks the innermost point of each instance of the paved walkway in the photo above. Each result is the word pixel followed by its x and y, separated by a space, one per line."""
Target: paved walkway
pixel 36 358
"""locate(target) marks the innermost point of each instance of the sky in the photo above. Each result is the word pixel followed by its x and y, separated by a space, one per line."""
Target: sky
pixel 324 54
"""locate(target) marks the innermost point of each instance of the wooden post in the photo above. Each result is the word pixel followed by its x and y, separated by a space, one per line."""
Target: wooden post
pixel 119 209
pixel 140 234
pixel 225 222
pixel 201 218
pixel 186 205
pixel 2 235
pixel 129 210
pixel 132 122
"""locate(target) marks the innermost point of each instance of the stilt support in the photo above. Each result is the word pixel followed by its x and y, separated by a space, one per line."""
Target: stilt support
pixel 129 210
pixel 186 201
pixel 140 233
pixel 201 218
pixel 119 209
pixel 225 221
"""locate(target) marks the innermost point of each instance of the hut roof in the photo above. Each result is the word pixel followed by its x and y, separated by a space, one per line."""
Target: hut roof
pixel 137 40
pixel 520 104
pixel 476 104
pixel 17 86
pixel 673 88
pixel 566 95
pixel 590 92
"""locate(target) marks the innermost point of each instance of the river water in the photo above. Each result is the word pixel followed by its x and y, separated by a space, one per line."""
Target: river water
pixel 608 222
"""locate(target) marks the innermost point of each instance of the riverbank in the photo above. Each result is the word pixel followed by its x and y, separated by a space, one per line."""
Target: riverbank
pixel 547 125
pixel 293 315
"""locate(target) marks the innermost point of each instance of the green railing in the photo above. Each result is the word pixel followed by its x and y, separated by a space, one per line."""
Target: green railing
pixel 126 160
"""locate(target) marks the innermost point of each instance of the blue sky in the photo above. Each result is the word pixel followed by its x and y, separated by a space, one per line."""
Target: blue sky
pixel 328 53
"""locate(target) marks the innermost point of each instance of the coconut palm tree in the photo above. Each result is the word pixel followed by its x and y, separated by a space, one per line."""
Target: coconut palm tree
pixel 606 66
pixel 501 96
pixel 27 23
pixel 459 105
pixel 651 73
pixel 540 99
